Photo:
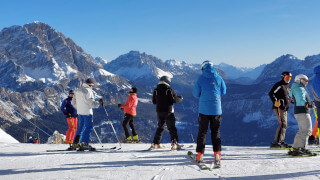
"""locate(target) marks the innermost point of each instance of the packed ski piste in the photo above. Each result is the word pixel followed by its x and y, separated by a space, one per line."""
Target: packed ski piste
pixel 209 87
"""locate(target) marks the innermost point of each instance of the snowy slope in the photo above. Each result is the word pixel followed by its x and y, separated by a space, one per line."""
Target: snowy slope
pixel 6 138
pixel 31 161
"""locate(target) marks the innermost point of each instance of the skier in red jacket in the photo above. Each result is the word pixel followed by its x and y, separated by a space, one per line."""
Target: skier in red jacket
pixel 130 112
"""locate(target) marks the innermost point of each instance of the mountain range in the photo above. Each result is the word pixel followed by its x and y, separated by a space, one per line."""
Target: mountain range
pixel 39 65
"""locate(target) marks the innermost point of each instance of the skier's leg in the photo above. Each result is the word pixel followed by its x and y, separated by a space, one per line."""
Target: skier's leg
pixel 126 119
pixel 79 129
pixel 278 131
pixel 284 125
pixel 171 124
pixel 69 133
pixel 131 124
pixel 86 133
pixel 304 123
pixel 203 127
pixel 75 124
pixel 215 122
pixel 160 129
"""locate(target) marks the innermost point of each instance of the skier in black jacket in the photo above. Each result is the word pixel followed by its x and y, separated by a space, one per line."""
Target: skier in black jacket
pixel 279 95
pixel 164 97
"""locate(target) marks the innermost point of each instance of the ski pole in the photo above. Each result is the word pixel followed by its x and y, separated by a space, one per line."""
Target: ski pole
pixel 316 115
pixel 97 136
pixel 114 131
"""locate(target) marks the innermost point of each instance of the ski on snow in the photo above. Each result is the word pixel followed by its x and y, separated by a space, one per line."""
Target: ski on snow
pixel 95 149
pixel 201 165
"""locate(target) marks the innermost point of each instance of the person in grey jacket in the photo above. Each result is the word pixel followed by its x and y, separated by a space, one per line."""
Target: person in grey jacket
pixel 302 114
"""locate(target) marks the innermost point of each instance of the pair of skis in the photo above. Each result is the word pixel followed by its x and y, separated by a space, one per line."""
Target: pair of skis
pixel 202 165
pixel 93 149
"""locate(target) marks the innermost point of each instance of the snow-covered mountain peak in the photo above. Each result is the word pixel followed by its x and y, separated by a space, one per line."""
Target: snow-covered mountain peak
pixel 135 65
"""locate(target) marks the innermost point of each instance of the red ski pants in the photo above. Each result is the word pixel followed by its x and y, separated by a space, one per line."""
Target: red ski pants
pixel 72 122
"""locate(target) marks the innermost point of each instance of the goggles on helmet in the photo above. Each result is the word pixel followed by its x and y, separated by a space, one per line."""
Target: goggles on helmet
pixel 206 63
pixel 287 77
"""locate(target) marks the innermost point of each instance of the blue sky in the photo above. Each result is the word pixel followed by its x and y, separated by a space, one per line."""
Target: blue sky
pixel 237 32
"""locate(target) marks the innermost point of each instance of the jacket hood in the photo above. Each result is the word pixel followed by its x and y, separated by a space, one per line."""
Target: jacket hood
pixel 210 72
pixel 162 82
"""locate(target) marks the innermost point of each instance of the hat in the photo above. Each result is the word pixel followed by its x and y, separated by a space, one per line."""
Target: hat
pixel 165 79
pixel 134 90
pixel 205 63
pixel 89 81
pixel 71 92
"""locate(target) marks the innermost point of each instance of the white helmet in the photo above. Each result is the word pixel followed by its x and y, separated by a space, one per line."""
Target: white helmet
pixel 299 77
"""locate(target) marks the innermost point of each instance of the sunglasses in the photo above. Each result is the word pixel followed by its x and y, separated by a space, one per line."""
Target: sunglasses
pixel 287 77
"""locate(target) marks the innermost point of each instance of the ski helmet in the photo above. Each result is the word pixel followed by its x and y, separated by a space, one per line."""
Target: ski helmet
pixel 206 63
pixel 71 92
pixel 134 90
pixel 90 82
pixel 298 78
pixel 286 73
pixel 165 79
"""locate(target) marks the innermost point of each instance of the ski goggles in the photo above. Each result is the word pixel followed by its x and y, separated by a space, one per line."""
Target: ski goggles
pixel 206 63
pixel 287 77
pixel 305 80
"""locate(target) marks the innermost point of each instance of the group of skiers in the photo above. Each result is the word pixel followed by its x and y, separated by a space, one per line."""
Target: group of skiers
pixel 282 95
pixel 208 88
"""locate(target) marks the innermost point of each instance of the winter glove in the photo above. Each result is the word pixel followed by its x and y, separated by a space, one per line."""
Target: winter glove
pixel 119 105
pixel 67 114
pixel 310 104
pixel 180 97
pixel 277 103
pixel 101 102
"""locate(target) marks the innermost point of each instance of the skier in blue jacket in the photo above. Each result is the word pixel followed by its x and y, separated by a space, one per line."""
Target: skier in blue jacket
pixel 316 95
pixel 302 104
pixel 209 88
pixel 316 90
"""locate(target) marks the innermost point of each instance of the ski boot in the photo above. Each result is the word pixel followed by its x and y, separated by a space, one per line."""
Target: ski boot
pixel 275 145
pixel 135 138
pixel 85 146
pixel 74 146
pixel 126 140
pixel 199 157
pixel 174 145
pixel 285 145
pixel 155 146
pixel 217 159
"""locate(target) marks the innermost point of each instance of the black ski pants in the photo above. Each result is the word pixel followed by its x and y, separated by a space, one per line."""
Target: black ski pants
pixel 215 121
pixel 170 120
pixel 128 118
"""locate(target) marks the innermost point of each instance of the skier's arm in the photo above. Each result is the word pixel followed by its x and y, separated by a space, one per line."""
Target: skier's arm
pixel 154 101
pixel 196 90
pixel 90 100
pixel 174 98
pixel 272 92
pixel 128 104
pixel 223 87
pixel 63 106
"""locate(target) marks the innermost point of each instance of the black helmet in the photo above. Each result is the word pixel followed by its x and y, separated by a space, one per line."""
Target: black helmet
pixel 71 92
pixel 134 89
pixel 165 79
pixel 90 82
pixel 286 73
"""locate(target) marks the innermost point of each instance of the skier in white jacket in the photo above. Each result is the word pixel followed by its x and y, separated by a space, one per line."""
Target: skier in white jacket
pixel 84 101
